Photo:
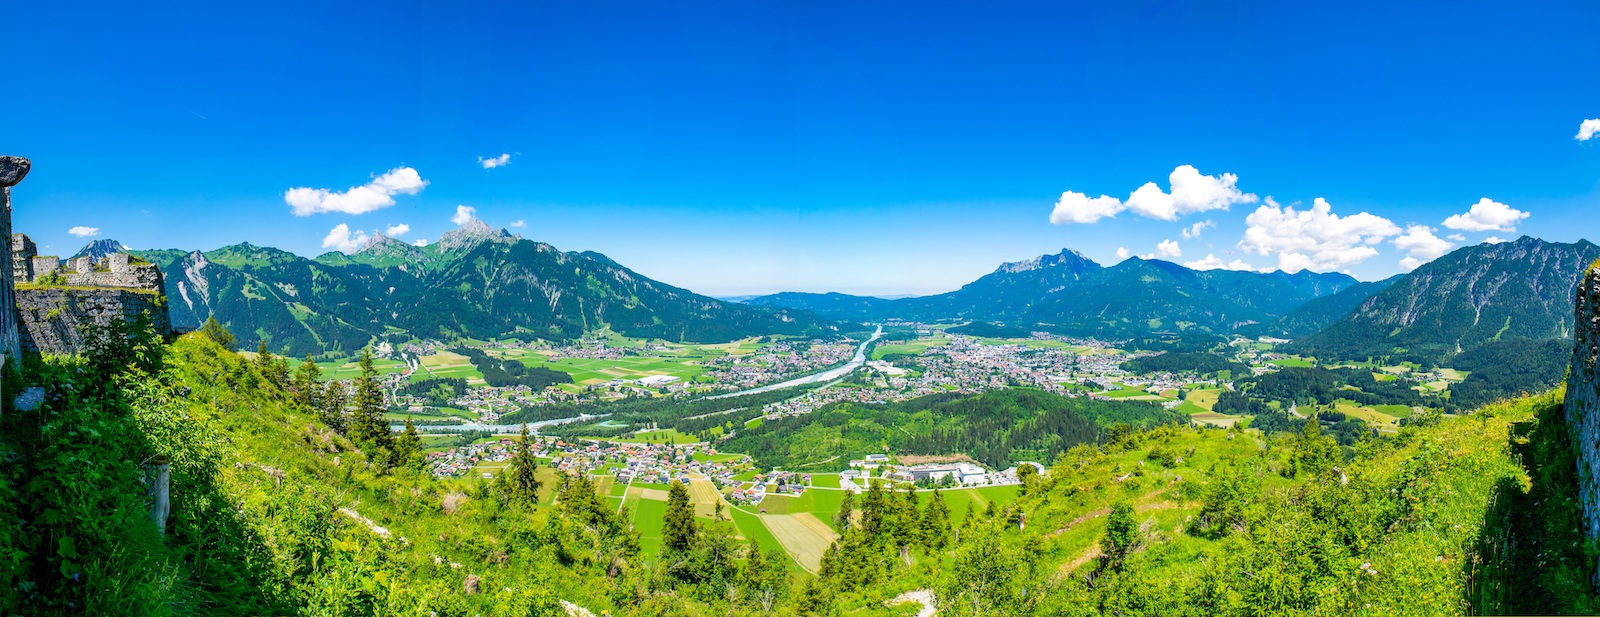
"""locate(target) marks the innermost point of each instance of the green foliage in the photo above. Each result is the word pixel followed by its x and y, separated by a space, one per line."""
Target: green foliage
pixel 521 477
pixel 991 427
pixel 218 333
pixel 1199 363
pixel 1121 538
pixel 367 426
pixel 678 530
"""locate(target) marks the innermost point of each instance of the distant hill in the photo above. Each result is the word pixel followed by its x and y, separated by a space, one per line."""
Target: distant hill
pixel 1071 293
pixel 1319 313
pixel 475 282
pixel 1463 300
pixel 100 248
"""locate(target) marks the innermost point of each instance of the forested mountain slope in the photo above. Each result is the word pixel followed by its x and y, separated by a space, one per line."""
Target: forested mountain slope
pixel 474 282
pixel 1520 290
pixel 1068 292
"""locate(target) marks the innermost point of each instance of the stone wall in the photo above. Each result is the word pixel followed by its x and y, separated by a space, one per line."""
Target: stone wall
pixel 115 270
pixel 51 316
pixel 1583 397
pixel 23 252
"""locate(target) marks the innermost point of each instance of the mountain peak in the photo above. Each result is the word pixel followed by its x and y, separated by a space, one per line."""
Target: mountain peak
pixel 100 248
pixel 472 233
pixel 1067 257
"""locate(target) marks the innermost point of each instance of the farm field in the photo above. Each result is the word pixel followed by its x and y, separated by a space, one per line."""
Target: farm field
pixel 1215 419
pixel 350 369
pixel 912 347
pixel 661 436
pixel 591 371
pixel 1205 398
pixel 449 365
pixel 802 535
pixel 1294 362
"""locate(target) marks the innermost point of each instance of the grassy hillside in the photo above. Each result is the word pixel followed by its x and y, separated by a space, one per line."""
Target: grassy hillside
pixel 274 513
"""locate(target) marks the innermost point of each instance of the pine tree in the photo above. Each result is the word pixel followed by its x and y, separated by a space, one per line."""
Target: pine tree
pixel 678 532
pixel 764 577
pixel 1122 536
pixel 273 371
pixel 307 384
pixel 522 474
pixel 935 523
pixel 873 508
pixel 218 334
pixel 847 506
pixel 334 400
pixel 407 448
pixel 367 427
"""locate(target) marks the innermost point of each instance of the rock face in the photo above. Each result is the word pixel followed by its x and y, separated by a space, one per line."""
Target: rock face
pixel 1583 397
pixel 13 169
pixel 51 316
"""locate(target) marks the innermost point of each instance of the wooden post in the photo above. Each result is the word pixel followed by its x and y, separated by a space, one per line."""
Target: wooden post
pixel 158 479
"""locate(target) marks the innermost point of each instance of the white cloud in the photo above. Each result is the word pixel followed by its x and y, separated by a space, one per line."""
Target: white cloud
pixel 1588 129
pixel 1191 192
pixel 1193 231
pixel 519 223
pixel 1419 241
pixel 1494 240
pixel 340 239
pixel 1123 252
pixel 1457 237
pixel 374 195
pixel 1421 246
pixel 1487 215
pixel 84 232
pixel 1314 239
pixel 1212 262
pixel 1074 207
pixel 463 214
pixel 420 242
pixel 495 161
pixel 395 231
pixel 1168 248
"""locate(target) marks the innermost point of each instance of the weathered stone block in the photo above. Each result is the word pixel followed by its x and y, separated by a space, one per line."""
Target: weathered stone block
pixel 1583 397
pixel 51 316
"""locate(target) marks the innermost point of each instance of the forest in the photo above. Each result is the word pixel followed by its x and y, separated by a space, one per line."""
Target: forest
pixel 996 428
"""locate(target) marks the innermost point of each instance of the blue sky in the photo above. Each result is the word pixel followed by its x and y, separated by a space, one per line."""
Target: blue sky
pixel 889 148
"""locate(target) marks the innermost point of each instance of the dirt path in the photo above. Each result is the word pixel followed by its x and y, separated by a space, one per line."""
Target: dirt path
pixel 920 596
pixel 365 521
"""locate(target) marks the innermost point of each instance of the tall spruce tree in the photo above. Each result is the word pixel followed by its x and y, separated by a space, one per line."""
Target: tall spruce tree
pixel 1122 536
pixel 306 385
pixel 935 524
pixel 522 474
pixel 332 407
pixel 367 427
pixel 407 452
pixel 847 507
pixel 678 531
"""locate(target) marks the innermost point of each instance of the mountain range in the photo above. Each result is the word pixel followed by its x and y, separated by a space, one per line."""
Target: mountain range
pixel 1070 293
pixel 475 282
pixel 479 282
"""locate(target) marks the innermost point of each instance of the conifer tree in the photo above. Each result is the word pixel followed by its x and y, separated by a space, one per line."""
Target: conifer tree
pixel 847 506
pixel 218 334
pixel 873 508
pixel 307 384
pixel 522 474
pixel 408 448
pixel 765 576
pixel 678 532
pixel 935 523
pixel 335 398
pixel 367 427
pixel 1122 536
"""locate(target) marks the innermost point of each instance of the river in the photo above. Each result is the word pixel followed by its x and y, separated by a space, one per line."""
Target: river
pixel 828 375
pixel 533 427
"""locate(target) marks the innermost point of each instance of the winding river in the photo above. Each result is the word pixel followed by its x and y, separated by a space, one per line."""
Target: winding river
pixel 533 427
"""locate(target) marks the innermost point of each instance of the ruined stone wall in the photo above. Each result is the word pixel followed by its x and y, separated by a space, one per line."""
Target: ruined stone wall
pixel 51 316
pixel 23 254
pixel 1583 397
